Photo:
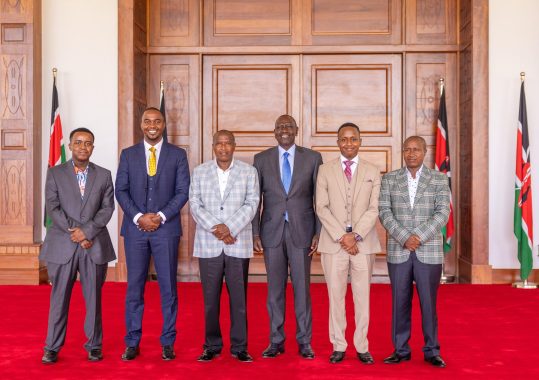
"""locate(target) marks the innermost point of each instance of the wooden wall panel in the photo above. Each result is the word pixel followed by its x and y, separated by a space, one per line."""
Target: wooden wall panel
pixel 257 22
pixel 181 76
pixel 352 22
pixel 174 22
pixel 431 22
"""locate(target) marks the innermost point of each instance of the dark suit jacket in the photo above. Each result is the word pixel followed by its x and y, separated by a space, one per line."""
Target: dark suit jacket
pixel 299 201
pixel 67 210
pixel 171 190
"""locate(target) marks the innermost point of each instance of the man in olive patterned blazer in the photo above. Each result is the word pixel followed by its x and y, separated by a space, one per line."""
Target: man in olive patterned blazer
pixel 414 206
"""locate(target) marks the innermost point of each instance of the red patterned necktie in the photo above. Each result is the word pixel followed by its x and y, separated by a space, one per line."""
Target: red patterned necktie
pixel 348 170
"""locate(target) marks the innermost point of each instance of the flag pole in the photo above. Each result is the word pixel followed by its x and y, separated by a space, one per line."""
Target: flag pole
pixel 524 284
pixel 445 278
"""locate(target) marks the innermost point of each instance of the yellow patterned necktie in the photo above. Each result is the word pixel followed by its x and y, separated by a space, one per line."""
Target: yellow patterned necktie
pixel 152 164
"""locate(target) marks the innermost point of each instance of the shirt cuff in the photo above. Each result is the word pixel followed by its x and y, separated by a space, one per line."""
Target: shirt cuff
pixel 136 218
pixel 358 237
pixel 163 217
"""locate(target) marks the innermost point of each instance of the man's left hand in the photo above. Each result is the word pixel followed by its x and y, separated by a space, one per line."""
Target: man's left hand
pixel 314 245
pixel 77 235
pixel 220 231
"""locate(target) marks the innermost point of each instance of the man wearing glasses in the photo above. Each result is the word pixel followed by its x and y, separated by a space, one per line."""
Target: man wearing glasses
pixel 79 198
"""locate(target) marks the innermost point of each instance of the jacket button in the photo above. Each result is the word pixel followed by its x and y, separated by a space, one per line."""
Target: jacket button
pixel 221 208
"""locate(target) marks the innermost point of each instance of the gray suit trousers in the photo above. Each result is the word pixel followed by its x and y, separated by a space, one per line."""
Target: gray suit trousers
pixel 277 260
pixel 63 277
pixel 427 280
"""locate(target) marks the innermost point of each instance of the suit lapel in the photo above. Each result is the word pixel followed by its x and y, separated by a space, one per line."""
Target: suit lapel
pixel 89 183
pixel 361 170
pixel 298 157
pixel 71 180
pixel 275 168
pixel 162 159
pixel 339 177
pixel 424 180
pixel 234 172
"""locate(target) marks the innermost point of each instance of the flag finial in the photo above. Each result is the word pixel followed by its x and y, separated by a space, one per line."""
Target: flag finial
pixel 162 85
pixel 442 82
pixel 522 76
pixel 54 72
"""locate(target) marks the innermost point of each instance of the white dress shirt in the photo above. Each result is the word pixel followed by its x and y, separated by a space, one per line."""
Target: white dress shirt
pixel 147 147
pixel 223 177
pixel 353 167
pixel 412 184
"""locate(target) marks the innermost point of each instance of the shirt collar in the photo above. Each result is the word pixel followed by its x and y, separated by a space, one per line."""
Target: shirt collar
pixel 291 151
pixel 156 146
pixel 355 160
pixel 85 171
pixel 417 174
pixel 221 170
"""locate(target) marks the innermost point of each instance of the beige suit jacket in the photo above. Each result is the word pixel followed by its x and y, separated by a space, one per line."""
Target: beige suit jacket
pixel 331 206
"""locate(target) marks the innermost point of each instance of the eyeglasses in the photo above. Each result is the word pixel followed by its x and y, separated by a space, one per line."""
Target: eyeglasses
pixel 156 122
pixel 79 143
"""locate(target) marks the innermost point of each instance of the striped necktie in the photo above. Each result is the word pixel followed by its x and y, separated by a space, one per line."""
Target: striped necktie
pixel 348 170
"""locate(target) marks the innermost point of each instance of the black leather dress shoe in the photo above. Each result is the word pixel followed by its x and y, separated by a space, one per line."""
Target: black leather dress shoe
pixel 95 355
pixel 49 357
pixel 365 358
pixel 395 358
pixel 306 351
pixel 168 353
pixel 243 356
pixel 273 350
pixel 336 357
pixel 208 355
pixel 130 353
pixel 436 361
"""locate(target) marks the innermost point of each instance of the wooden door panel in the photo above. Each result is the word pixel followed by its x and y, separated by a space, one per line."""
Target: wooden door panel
pixel 431 22
pixel 174 22
pixel 181 76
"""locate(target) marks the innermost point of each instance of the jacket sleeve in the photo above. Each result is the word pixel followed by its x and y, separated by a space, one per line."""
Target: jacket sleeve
pixel 244 215
pixel 256 220
pixel 318 162
pixel 103 215
pixel 326 217
pixel 201 215
pixel 53 206
pixel 387 218
pixel 431 227
pixel 123 194
pixel 367 221
pixel 181 196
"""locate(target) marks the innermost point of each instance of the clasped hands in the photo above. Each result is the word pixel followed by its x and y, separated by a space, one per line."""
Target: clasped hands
pixel 149 222
pixel 78 236
pixel 412 243
pixel 257 245
pixel 221 232
pixel 349 243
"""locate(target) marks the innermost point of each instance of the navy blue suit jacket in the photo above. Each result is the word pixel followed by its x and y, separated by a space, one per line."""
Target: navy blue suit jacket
pixel 171 187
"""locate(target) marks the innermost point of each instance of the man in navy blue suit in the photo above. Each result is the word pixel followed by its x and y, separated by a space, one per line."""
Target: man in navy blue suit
pixel 152 185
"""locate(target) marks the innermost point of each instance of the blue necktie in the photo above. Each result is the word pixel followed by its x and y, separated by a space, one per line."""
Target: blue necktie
pixel 286 172
pixel 286 177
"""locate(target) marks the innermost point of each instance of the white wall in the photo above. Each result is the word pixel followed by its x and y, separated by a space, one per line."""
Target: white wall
pixel 80 38
pixel 513 47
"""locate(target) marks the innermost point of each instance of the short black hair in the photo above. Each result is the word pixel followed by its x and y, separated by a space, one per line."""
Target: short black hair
pixel 85 130
pixel 152 109
pixel 349 125
pixel 419 139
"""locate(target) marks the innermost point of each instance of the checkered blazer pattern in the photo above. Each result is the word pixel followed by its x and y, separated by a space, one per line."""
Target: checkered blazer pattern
pixel 426 219
pixel 236 209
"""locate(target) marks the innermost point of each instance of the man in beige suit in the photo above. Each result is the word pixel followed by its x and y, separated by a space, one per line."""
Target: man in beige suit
pixel 347 204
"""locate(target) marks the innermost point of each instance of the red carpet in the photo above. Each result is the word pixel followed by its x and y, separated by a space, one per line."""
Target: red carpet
pixel 485 332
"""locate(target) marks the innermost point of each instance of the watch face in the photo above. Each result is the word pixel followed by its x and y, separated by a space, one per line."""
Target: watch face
pixel 348 229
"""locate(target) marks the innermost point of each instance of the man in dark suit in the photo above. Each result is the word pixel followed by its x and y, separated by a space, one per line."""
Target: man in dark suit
pixel 152 185
pixel 79 199
pixel 287 231
pixel 414 206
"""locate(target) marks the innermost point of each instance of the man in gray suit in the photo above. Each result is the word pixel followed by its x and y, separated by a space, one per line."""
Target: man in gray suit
pixel 287 231
pixel 223 198
pixel 79 199
pixel 414 206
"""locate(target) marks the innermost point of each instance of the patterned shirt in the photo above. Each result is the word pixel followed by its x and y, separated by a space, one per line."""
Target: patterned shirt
pixel 412 184
pixel 82 176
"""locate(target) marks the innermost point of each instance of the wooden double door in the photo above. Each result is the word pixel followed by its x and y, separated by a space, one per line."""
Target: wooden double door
pixel 246 93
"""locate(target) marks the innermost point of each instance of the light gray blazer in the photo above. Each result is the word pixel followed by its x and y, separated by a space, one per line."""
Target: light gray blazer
pixel 426 219
pixel 236 209
pixel 67 210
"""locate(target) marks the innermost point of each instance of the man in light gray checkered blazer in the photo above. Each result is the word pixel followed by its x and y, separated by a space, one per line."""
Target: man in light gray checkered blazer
pixel 223 198
pixel 414 206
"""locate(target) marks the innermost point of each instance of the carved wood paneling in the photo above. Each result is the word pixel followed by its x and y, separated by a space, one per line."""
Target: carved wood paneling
pixel 181 76
pixel 174 22
pixel 363 89
pixel 13 33
pixel 257 22
pixel 16 11
pixel 352 22
pixel 431 22
pixel 13 139
pixel 13 189
pixel 13 98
